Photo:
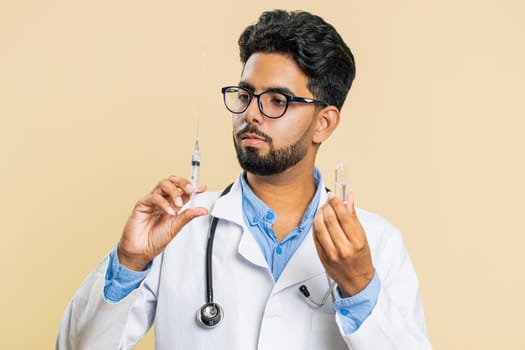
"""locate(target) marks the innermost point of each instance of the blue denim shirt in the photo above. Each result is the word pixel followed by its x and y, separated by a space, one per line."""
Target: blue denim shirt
pixel 260 218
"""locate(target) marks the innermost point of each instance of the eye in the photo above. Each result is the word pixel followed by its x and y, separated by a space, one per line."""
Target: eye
pixel 243 96
pixel 277 99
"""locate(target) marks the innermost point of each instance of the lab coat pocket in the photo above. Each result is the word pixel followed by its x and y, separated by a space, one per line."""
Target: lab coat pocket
pixel 324 333
pixel 320 297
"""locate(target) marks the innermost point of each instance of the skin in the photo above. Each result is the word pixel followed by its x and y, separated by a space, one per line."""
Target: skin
pixel 339 237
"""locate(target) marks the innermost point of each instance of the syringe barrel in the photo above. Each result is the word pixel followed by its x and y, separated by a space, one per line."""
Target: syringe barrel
pixel 195 172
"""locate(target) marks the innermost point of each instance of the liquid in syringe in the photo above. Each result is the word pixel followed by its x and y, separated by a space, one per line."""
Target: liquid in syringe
pixel 195 170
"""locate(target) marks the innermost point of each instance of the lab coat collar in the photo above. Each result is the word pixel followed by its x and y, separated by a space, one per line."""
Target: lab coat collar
pixel 229 208
pixel 303 265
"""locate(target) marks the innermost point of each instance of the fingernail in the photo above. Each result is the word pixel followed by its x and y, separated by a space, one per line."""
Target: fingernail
pixel 178 201
pixel 171 211
pixel 331 195
pixel 189 188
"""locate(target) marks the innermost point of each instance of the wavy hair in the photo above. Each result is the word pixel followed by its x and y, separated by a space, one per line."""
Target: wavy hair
pixel 315 46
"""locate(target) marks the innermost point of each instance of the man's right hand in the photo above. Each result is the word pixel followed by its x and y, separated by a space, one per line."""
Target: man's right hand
pixel 155 220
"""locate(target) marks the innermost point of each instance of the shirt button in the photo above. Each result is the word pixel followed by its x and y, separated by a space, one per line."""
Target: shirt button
pixel 344 312
pixel 279 250
pixel 255 220
pixel 270 215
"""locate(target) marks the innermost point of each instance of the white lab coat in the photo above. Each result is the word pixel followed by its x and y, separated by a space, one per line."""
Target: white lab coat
pixel 259 313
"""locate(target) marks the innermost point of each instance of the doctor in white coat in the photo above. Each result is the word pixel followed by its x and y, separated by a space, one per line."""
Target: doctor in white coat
pixel 278 230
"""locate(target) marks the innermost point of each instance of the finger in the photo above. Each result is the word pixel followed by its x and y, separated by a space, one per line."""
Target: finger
pixel 186 216
pixel 320 250
pixel 321 235
pixel 333 226
pixel 159 201
pixel 188 189
pixel 338 205
pixel 168 188
pixel 185 185
pixel 349 203
pixel 202 188
pixel 349 221
pixel 182 183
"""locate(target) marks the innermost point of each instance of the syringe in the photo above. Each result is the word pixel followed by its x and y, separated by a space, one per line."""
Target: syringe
pixel 195 171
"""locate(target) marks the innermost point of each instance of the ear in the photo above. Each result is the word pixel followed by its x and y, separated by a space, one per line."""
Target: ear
pixel 327 121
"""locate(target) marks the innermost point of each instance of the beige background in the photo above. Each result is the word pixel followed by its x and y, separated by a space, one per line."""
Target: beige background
pixel 100 99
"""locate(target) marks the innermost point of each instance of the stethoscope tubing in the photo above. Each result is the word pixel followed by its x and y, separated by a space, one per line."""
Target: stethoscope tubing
pixel 209 252
pixel 211 314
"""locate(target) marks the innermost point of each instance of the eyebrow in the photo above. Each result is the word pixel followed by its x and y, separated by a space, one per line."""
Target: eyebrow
pixel 281 89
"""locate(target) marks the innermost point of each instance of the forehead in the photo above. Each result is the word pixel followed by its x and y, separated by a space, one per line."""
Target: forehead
pixel 264 71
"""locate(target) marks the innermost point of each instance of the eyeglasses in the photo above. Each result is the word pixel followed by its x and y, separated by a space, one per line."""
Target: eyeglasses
pixel 272 104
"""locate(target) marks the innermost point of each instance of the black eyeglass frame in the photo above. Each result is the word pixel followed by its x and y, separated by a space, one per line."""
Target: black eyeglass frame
pixel 251 95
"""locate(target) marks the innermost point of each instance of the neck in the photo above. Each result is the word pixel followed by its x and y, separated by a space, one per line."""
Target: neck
pixel 287 193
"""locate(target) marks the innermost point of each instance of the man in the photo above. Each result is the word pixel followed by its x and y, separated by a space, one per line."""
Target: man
pixel 278 230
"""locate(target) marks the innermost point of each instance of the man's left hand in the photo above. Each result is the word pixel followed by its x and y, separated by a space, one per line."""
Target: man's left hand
pixel 342 245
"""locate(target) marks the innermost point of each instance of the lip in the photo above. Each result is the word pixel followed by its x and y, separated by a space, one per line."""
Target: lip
pixel 251 139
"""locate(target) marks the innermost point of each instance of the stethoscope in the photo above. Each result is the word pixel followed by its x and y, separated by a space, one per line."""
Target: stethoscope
pixel 211 313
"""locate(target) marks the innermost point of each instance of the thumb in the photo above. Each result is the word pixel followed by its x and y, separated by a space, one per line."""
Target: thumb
pixel 350 202
pixel 186 216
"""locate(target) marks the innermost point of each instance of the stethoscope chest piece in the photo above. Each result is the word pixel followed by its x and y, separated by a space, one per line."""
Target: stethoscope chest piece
pixel 210 315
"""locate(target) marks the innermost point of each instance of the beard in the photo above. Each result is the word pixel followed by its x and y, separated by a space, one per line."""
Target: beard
pixel 276 161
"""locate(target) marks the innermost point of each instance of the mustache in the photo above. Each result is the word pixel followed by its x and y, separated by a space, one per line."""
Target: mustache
pixel 252 129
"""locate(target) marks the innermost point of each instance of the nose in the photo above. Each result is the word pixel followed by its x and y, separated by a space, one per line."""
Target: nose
pixel 253 114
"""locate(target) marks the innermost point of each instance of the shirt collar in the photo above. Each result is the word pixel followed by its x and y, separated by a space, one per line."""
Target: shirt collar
pixel 256 211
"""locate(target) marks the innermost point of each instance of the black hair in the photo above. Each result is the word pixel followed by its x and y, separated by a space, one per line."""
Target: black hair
pixel 315 46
